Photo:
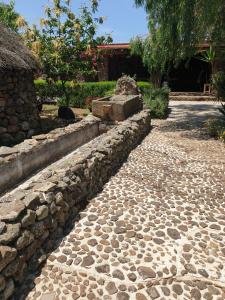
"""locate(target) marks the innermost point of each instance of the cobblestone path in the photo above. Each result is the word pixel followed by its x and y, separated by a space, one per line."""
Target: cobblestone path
pixel 156 231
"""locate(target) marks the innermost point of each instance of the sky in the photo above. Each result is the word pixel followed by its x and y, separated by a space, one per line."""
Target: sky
pixel 123 20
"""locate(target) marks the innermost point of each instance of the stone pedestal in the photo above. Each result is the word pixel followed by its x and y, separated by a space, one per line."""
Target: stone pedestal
pixel 116 108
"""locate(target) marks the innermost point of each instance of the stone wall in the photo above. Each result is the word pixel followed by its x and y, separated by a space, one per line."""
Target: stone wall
pixel 35 215
pixel 18 108
pixel 20 161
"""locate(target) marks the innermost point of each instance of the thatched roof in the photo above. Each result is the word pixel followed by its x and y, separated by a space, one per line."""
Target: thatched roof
pixel 13 53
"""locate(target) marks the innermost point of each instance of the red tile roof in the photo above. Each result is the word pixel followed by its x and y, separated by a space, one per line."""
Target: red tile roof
pixel 114 46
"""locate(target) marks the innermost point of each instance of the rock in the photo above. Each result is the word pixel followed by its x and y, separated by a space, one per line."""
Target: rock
pixel 146 272
pixel 6 151
pixel 11 211
pixel 66 113
pixel 32 200
pixel 38 229
pixel 61 259
pixel 103 269
pixel 42 212
pixel 203 273
pixel 2 283
pixel 12 232
pixel 7 254
pixel 111 288
pixel 2 227
pixel 153 293
pixel 92 218
pixel 195 294
pixel 59 199
pixel 118 274
pixel 173 233
pixel 177 288
pixel 2 130
pixel 122 296
pixel 24 240
pixel 25 126
pixel 165 290
pixel 120 230
pixel 44 187
pixel 9 289
pixel 28 219
pixel 12 268
pixel 87 261
pixel 132 276
pixel 92 242
pixel 126 85
pixel 7 139
pixel 140 296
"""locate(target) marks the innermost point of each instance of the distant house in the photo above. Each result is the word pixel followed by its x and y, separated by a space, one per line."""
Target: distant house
pixel 190 75
pixel 18 107
pixel 117 61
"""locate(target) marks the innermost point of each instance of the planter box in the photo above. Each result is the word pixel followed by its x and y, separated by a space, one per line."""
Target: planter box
pixel 116 108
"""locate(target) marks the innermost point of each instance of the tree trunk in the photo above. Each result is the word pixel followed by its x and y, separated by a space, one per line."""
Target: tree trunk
pixel 67 97
pixel 156 78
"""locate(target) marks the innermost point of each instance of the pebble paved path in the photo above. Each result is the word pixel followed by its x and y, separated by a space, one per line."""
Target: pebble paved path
pixel 156 231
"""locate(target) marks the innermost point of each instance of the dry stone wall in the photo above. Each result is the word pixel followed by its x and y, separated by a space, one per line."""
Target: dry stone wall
pixel 18 162
pixel 19 117
pixel 34 216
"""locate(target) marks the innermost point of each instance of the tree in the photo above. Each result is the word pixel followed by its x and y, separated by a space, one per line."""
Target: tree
pixel 65 42
pixel 177 26
pixel 10 18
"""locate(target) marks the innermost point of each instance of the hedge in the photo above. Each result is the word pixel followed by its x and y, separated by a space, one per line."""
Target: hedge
pixel 79 92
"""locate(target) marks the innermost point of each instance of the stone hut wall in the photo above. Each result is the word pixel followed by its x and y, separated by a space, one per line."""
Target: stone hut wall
pixel 35 218
pixel 19 116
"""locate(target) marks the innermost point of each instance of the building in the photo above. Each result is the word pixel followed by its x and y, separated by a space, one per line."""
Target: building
pixel 19 116
pixel 116 61
pixel 189 75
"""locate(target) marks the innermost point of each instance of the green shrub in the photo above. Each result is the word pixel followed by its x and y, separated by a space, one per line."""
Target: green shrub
pixel 218 81
pixel 79 92
pixel 216 128
pixel 157 100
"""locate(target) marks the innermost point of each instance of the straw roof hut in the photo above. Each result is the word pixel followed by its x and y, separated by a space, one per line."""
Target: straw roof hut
pixel 13 54
pixel 18 106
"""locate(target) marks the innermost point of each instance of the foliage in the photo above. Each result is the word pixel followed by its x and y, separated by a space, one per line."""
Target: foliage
pixel 80 91
pixel 10 18
pixel 157 100
pixel 218 81
pixel 65 43
pixel 155 61
pixel 176 27
pixel 216 128
pixel 208 56
pixel 222 110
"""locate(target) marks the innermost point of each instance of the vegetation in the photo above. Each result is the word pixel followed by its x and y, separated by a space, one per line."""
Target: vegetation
pixel 157 100
pixel 175 28
pixel 218 81
pixel 216 128
pixel 10 18
pixel 79 92
pixel 65 44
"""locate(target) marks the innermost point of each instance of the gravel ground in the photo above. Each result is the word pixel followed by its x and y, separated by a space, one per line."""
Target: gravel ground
pixel 157 230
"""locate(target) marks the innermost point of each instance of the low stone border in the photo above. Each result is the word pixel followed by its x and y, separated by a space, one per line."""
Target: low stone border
pixel 20 161
pixel 33 218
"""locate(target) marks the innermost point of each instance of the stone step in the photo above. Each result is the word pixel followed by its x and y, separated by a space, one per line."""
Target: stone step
pixel 192 98
pixel 188 94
